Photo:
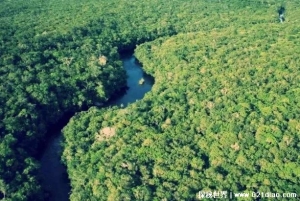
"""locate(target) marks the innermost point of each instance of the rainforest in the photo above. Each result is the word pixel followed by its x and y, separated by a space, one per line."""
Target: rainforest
pixel 222 116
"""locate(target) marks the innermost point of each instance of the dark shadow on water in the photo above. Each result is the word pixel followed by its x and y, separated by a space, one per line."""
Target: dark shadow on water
pixel 1 195
pixel 54 174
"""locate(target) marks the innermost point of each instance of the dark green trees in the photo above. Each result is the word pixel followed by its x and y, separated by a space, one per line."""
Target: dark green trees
pixel 223 113
pixel 221 116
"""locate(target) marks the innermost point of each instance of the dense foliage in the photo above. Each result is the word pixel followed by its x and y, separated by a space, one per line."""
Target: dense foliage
pixel 223 112
pixel 223 115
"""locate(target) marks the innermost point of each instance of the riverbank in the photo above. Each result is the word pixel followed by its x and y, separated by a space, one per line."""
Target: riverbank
pixel 53 172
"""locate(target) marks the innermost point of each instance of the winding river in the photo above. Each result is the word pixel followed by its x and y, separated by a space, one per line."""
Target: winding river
pixel 53 172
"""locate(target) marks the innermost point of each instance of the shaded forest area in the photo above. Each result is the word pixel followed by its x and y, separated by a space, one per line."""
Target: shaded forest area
pixel 223 113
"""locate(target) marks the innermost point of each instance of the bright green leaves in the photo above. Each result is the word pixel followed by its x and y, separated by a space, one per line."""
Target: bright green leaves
pixel 223 112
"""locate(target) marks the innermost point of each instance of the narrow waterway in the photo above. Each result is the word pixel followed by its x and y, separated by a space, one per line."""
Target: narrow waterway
pixel 135 90
pixel 53 172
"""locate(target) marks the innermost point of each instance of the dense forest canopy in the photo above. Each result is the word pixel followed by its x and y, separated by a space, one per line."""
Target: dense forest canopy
pixel 223 113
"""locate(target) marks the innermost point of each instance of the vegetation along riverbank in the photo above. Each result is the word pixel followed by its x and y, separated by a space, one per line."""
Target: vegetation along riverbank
pixel 222 115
